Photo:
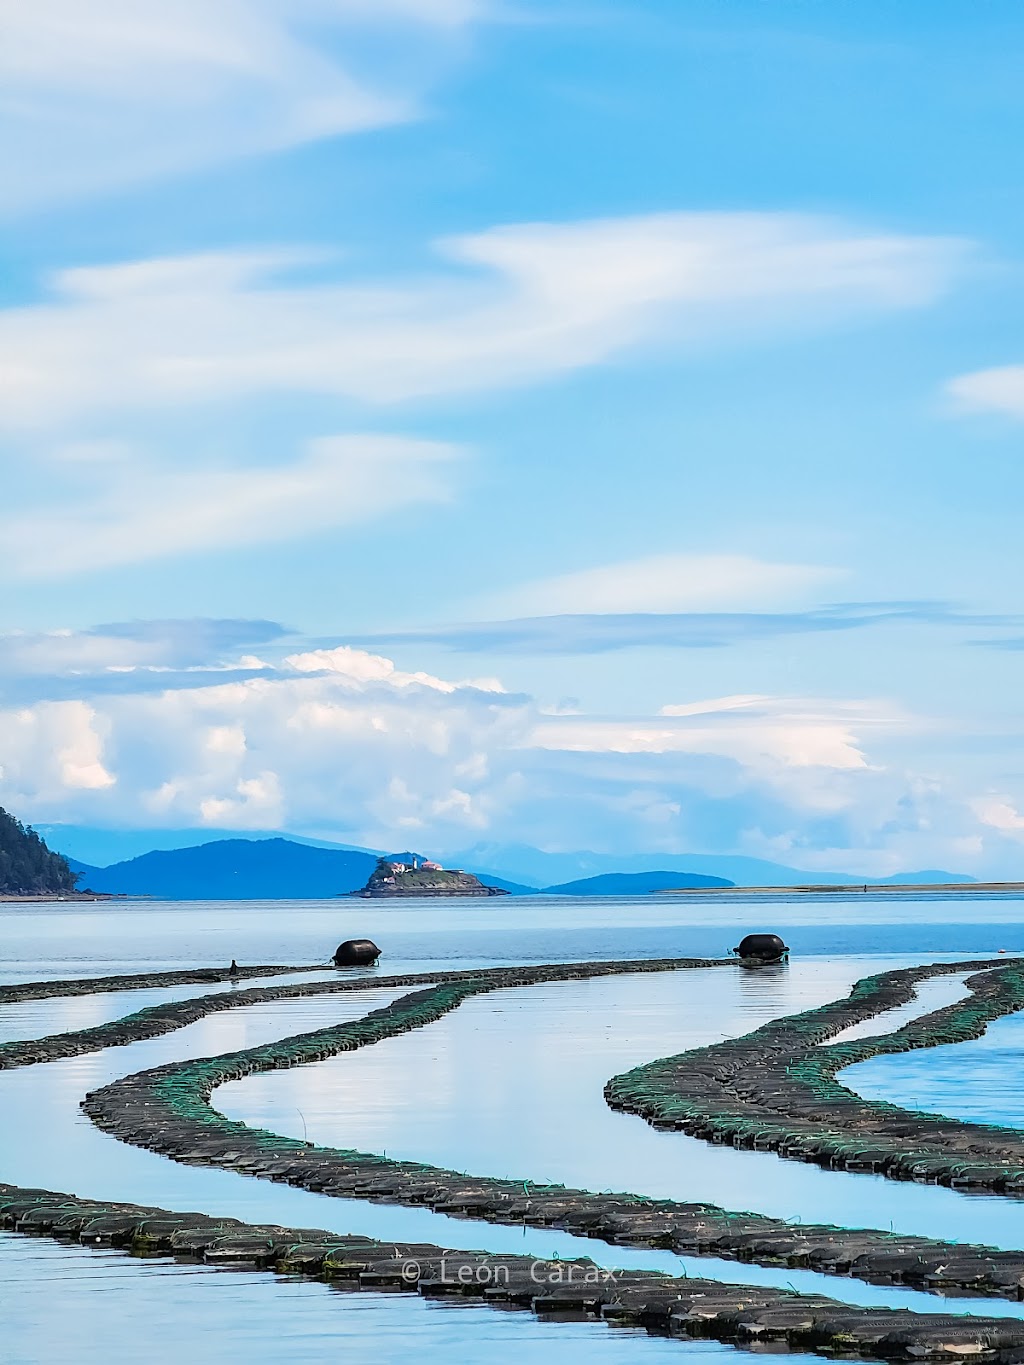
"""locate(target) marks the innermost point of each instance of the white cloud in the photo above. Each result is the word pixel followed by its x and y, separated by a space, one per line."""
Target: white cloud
pixel 365 750
pixel 342 743
pixel 716 705
pixel 109 92
pixel 149 512
pixel 131 647
pixel 358 666
pixel 80 760
pixel 51 754
pixel 664 583
pixel 102 380
pixel 762 733
pixel 226 739
pixel 256 802
pixel 997 390
pixel 999 812
pixel 522 303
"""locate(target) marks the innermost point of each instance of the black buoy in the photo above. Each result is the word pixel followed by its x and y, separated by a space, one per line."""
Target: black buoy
pixel 761 948
pixel 356 952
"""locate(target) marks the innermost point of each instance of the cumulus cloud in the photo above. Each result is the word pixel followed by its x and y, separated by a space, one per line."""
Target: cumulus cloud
pixel 52 755
pixel 149 511
pixel 515 304
pixel 998 390
pixel 363 749
pixel 338 742
pixel 999 812
pixel 104 94
pixel 358 666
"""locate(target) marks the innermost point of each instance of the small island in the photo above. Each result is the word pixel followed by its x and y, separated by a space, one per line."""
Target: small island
pixel 422 878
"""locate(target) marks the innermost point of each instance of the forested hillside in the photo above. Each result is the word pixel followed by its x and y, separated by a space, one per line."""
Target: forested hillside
pixel 27 867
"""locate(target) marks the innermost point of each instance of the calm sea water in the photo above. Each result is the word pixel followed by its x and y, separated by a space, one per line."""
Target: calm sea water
pixel 509 1084
pixel 980 1081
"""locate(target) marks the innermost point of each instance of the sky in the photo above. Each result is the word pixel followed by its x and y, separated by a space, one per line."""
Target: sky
pixel 593 424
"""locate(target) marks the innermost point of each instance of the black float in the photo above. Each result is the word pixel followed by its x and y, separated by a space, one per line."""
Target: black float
pixel 356 952
pixel 762 948
pixel 710 1091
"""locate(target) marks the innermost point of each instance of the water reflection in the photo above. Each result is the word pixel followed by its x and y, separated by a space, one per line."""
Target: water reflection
pixel 509 1083
pixel 929 995
pixel 38 1018
pixel 765 986
pixel 47 1133
pixel 75 940
pixel 67 1303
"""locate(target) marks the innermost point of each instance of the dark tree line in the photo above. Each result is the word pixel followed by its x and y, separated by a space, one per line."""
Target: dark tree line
pixel 27 867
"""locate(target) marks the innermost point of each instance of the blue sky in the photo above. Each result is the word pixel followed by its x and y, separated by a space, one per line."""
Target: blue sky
pixel 595 425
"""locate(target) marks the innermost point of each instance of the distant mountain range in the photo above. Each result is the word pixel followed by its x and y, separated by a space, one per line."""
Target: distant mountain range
pixel 242 869
pixel 635 884
pixel 249 866
pixel 534 867
pixel 233 869
pixel 99 847
pixel 278 869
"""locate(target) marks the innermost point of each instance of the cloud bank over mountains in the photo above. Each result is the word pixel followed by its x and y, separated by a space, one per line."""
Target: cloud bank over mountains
pixel 180 724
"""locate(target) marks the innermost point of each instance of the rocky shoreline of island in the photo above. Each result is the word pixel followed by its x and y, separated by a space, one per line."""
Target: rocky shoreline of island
pixel 398 880
pixel 48 897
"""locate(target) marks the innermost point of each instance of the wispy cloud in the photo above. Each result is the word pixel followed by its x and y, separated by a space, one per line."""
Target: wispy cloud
pixel 663 583
pixel 127 657
pixel 792 732
pixel 103 377
pixel 1010 642
pixel 598 633
pixel 131 644
pixel 999 390
pixel 108 93
pixel 147 511
pixel 515 305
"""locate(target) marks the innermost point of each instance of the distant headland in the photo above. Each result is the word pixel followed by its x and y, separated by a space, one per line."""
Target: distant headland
pixel 28 869
pixel 421 877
